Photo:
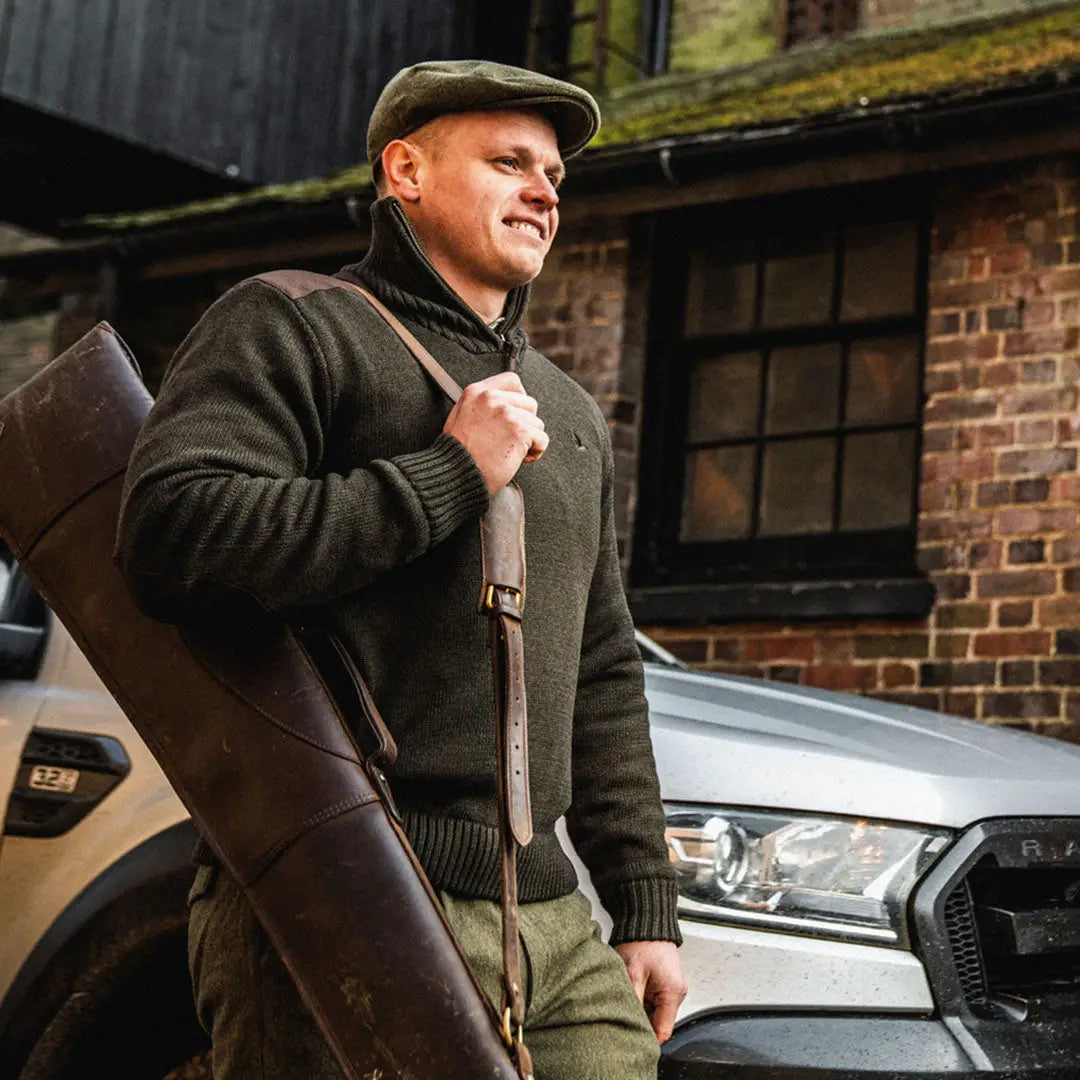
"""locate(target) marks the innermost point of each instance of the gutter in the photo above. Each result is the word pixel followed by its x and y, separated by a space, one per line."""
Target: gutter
pixel 914 124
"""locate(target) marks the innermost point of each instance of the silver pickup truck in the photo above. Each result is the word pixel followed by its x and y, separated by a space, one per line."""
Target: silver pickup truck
pixel 868 891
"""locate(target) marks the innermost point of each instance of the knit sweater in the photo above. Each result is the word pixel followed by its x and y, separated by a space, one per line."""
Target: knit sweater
pixel 295 460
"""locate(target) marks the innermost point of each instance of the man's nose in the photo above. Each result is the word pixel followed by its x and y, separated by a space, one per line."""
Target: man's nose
pixel 542 192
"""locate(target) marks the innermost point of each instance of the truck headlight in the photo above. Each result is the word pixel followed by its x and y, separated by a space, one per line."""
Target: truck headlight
pixel 831 877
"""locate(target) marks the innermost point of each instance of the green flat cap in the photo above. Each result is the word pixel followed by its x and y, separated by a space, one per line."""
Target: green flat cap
pixel 418 94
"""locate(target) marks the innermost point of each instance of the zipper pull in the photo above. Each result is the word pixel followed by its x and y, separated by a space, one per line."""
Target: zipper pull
pixel 513 350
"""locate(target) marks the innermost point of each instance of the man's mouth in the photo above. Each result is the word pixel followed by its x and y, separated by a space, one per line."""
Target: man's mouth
pixel 526 226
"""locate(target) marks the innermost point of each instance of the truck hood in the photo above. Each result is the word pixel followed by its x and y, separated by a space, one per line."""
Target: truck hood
pixel 747 742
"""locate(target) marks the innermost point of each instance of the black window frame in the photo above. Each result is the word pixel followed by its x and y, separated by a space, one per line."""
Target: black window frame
pixel 871 573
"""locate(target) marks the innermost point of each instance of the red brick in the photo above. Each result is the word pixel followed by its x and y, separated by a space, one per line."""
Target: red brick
pixel 962 616
pixel 1065 488
pixel 952 586
pixel 841 676
pixel 976 266
pixel 951 646
pixel 1017 583
pixel 692 650
pixel 1018 673
pixel 726 649
pixel 984 555
pixel 1069 427
pixel 957 673
pixel 1027 551
pixel 994 493
pixel 1039 313
pixel 1015 613
pixel 958 466
pixel 784 647
pixel 941 410
pixel 1066 549
pixel 1022 704
pixel 987 346
pixel 965 294
pixel 1070 580
pixel 941 380
pixel 906 645
pixel 1025 521
pixel 995 376
pixel 1059 672
pixel 1010 261
pixel 1061 611
pixel 1036 431
pixel 1056 400
pixel 1013 462
pixel 961 703
pixel 948 268
pixel 1011 643
pixel 993 435
pixel 1030 490
pixel 896 675
pixel 834 648
pixel 937 497
pixel 939 439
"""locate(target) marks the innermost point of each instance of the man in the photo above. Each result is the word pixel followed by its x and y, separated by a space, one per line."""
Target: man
pixel 299 460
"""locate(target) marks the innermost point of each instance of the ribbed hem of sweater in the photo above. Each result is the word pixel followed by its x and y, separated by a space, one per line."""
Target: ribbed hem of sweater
pixel 463 857
pixel 448 482
pixel 645 909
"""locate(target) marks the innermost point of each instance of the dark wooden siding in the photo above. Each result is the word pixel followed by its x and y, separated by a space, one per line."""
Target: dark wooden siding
pixel 263 90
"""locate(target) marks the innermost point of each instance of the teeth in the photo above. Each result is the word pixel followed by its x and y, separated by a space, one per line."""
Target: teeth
pixel 525 225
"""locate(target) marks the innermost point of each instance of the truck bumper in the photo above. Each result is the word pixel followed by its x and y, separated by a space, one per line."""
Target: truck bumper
pixel 803 1047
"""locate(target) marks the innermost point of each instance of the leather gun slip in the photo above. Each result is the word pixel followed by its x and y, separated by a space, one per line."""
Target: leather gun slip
pixel 248 734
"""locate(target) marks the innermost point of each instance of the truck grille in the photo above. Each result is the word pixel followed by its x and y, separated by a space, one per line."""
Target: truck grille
pixel 998 920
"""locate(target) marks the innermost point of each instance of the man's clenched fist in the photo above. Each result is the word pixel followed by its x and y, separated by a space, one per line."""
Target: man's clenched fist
pixel 496 421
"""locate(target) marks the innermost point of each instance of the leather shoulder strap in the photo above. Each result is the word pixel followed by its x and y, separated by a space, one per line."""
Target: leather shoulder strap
pixel 297 283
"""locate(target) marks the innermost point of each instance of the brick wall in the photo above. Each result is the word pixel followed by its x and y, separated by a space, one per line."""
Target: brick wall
pixel 900 14
pixel 583 319
pixel 998 528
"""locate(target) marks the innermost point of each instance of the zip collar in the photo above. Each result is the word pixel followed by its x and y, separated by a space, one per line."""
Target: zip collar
pixel 397 270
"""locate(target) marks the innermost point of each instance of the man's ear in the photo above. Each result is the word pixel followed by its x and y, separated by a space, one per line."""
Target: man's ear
pixel 401 163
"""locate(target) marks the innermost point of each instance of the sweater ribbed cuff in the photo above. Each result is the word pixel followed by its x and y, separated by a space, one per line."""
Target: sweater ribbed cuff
pixel 448 483
pixel 644 910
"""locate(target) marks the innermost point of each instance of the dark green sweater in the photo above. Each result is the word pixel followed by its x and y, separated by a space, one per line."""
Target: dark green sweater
pixel 294 457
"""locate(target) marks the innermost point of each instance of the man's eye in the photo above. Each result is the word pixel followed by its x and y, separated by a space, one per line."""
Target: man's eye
pixel 512 162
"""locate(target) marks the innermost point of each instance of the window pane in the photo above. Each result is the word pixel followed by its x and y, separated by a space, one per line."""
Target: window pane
pixel 804 389
pixel 883 381
pixel 879 471
pixel 724 395
pixel 799 285
pixel 721 287
pixel 797 487
pixel 880 270
pixel 718 494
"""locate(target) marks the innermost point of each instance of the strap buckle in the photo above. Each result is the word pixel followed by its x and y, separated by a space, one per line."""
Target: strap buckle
pixel 492 592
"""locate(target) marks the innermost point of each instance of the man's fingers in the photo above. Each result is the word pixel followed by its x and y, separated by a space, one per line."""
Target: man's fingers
pixel 539 445
pixel 662 1009
pixel 505 380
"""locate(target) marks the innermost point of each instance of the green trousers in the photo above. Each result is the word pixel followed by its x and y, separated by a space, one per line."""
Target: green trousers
pixel 583 1021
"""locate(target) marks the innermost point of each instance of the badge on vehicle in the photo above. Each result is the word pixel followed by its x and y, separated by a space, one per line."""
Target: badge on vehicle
pixel 53 778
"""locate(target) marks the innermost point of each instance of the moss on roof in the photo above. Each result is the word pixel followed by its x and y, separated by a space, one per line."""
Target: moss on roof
pixel 814 82
pixel 865 73
pixel 318 189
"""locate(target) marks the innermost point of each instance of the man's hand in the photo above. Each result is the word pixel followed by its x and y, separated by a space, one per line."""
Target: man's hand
pixel 656 972
pixel 496 421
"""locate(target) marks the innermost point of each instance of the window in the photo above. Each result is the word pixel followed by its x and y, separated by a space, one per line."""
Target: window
pixel 809 20
pixel 782 410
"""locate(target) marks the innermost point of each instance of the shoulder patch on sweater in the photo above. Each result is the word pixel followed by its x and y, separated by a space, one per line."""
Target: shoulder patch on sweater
pixel 297 283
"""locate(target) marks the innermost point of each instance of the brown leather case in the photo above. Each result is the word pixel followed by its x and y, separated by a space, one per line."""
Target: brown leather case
pixel 249 736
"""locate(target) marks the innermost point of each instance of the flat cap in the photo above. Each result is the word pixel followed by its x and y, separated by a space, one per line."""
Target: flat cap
pixel 419 94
